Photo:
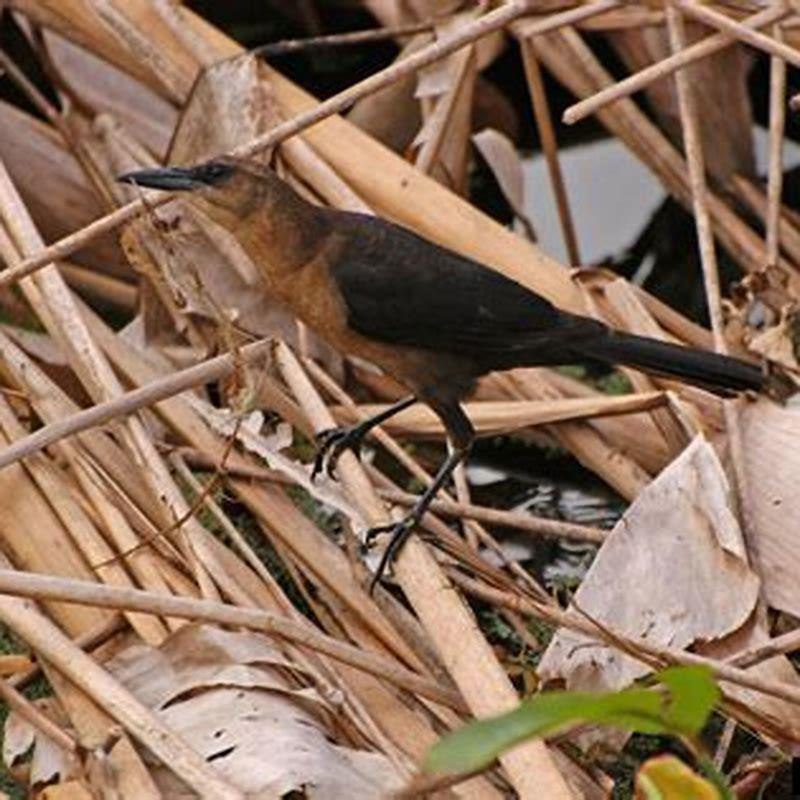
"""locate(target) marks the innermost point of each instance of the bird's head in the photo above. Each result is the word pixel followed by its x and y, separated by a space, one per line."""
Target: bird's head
pixel 227 189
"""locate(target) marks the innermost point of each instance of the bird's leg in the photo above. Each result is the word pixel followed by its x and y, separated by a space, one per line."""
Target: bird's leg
pixel 335 441
pixel 461 435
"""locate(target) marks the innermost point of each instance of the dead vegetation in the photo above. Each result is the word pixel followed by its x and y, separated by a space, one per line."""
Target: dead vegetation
pixel 203 630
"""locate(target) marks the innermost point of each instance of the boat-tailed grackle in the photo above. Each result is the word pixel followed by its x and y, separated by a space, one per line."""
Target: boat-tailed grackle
pixel 431 318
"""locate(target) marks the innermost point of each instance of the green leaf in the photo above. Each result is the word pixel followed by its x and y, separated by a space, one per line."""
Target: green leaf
pixel 693 693
pixel 691 696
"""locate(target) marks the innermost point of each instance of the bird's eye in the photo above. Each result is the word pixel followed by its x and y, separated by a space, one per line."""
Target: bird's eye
pixel 215 172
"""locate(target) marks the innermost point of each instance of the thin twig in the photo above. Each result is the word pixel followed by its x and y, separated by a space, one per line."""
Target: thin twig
pixel 743 33
pixel 692 142
pixel 48 587
pixel 493 21
pixel 286 46
pixel 692 145
pixel 724 743
pixel 540 526
pixel 780 645
pixel 777 123
pixel 549 528
pixel 199 501
pixel 17 702
pixel 125 404
pixel 644 650
pixel 547 137
pixel 639 80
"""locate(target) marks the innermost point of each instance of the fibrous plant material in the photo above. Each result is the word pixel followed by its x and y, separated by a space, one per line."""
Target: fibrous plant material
pixel 160 469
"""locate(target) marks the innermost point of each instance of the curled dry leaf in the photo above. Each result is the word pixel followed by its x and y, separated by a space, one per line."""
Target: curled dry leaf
pixel 48 762
pixel 229 696
pixel 672 572
pixel 206 271
pixel 779 342
pixel 18 739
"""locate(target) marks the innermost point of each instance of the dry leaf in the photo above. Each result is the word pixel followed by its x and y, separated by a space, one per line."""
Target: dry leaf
pixel 229 696
pixel 18 739
pixel 54 187
pixel 111 91
pixel 672 572
pixel 204 267
pixel 778 343
pixel 393 115
pixel 503 160
pixel 49 763
pixel 771 449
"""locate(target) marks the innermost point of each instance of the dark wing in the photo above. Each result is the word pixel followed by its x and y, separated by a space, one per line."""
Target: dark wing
pixel 401 288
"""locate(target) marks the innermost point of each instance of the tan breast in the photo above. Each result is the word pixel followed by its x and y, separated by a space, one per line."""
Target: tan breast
pixel 314 297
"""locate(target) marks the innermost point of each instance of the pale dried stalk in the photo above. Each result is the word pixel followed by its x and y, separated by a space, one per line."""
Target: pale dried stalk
pixel 125 404
pixel 494 20
pixel 547 137
pixel 86 641
pixel 172 81
pixel 101 287
pixel 444 110
pixel 743 33
pixel 777 123
pixel 307 164
pixel 464 651
pixel 82 530
pixel 492 417
pixel 724 743
pixel 285 46
pixel 78 240
pixel 48 587
pixel 106 458
pixel 58 310
pixel 639 80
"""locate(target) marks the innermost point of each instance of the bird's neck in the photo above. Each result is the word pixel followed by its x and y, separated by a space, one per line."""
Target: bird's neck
pixel 284 231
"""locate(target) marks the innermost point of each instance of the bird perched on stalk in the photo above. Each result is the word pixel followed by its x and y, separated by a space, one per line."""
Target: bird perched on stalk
pixel 431 318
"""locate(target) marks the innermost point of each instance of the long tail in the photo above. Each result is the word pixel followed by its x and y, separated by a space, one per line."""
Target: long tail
pixel 722 375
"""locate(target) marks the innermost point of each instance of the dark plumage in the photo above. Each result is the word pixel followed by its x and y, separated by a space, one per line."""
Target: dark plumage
pixel 432 318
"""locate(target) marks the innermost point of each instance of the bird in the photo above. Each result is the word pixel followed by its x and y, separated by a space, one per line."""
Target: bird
pixel 432 318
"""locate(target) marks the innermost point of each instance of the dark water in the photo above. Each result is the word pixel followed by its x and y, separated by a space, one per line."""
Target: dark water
pixel 545 483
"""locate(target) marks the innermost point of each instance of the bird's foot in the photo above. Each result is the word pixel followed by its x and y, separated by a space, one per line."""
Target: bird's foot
pixel 331 444
pixel 400 531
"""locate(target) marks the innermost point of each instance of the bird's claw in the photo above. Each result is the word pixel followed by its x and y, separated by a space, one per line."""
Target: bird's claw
pixel 331 444
pixel 400 531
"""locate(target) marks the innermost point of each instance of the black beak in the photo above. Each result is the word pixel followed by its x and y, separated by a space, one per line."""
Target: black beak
pixel 171 179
